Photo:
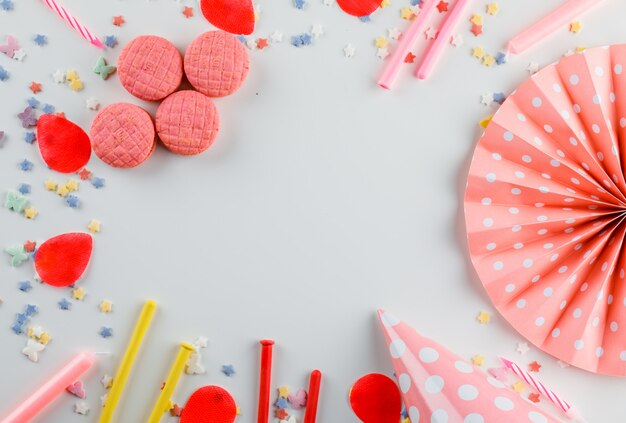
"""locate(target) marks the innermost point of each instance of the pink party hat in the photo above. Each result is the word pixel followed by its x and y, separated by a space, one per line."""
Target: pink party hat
pixel 440 387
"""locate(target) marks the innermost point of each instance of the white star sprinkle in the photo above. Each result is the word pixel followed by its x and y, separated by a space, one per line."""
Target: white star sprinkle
pixel 317 30
pixel 394 33
pixel 522 347
pixel 201 342
pixel 19 55
pixel 32 349
pixel 92 103
pixel 533 68
pixel 348 51
pixel 457 40
pixel 382 53
pixel 486 99
pixel 430 33
pixel 59 76
pixel 276 37
pixel 81 408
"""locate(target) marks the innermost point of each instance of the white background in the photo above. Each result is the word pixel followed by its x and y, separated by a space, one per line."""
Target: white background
pixel 323 199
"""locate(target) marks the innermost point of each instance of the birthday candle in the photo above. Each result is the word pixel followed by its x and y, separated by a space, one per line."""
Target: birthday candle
pixel 73 22
pixel 314 394
pixel 265 379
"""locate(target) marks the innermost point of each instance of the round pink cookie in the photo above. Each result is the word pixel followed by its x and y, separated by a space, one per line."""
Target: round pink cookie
pixel 122 135
pixel 187 122
pixel 216 63
pixel 150 67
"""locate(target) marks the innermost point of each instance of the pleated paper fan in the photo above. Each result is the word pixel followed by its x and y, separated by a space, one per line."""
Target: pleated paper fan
pixel 545 209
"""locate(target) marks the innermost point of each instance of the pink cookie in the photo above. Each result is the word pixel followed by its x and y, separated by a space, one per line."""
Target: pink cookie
pixel 216 63
pixel 187 122
pixel 122 135
pixel 150 67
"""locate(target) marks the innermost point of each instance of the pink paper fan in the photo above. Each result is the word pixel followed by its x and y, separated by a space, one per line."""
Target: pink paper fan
pixel 545 207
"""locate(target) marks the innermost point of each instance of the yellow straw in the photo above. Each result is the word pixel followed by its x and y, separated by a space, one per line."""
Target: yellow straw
pixel 162 403
pixel 127 361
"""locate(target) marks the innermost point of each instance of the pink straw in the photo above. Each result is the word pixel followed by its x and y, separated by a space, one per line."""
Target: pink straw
pixel 563 15
pixel 405 44
pixel 51 389
pixel 569 411
pixel 436 49
pixel 73 22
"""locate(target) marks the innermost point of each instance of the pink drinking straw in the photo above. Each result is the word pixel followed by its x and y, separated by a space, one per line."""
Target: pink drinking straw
pixel 567 409
pixel 405 44
pixel 563 15
pixel 435 51
pixel 51 389
pixel 73 22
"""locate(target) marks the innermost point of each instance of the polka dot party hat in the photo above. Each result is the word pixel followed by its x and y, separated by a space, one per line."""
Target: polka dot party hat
pixel 440 387
pixel 545 209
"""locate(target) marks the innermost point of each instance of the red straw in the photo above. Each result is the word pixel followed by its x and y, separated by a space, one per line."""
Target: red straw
pixel 314 395
pixel 265 380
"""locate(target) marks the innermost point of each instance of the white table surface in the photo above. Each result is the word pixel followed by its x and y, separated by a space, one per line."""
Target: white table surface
pixel 323 199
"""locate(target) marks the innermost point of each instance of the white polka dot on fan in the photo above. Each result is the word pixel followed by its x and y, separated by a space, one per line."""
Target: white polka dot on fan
pixel 467 392
pixel 434 384
pixel 414 414
pixel 428 355
pixel 537 417
pixel 405 382
pixel 473 418
pixel 439 416
pixel 397 348
pixel 504 403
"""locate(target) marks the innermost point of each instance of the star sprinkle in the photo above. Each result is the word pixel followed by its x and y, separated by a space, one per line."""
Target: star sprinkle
pixel 24 189
pixel 30 310
pixel 501 58
pixel 32 350
pixel 35 87
pixel 283 392
pixel 499 97
pixel 188 12
pixel 518 387
pixel 81 408
pixel 97 182
pixel 299 4
pixel 410 58
pixel 261 43
pixel 59 76
pixel 26 165
pixel 534 367
pixel 488 60
pixel 301 40
pixel 317 30
pixel 4 74
pixel 276 37
pixel 92 103
pixel 176 410
pixel 102 69
pixel 407 13
pixel 486 99
pixel 575 27
pixel 106 306
pixel 33 102
pixel 29 246
pixel 64 304
pixel 476 19
pixel 382 53
pixel 478 360
pixel 381 42
pixel 106 381
pixel 457 40
pixel 533 397
pixel 533 68
pixel 430 33
pixel 79 293
pixel 6 5
pixel 118 20
pixel 476 30
pixel 106 332
pixel 348 51
pixel 110 41
pixel 194 364
pixel 522 348
pixel 45 338
pixel 442 6
pixel 93 226
pixel 76 85
pixel 281 403
pixel 84 174
pixel 281 414
pixel 478 52
pixel 63 190
pixel 483 317
pixel 19 55
pixel 28 117
pixel 484 122
pixel 394 33
pixel 24 286
pixel 48 109
pixel 201 342
pixel 41 40
pixel 72 201
pixel 493 9
pixel 30 212
pixel 50 185
pixel 228 370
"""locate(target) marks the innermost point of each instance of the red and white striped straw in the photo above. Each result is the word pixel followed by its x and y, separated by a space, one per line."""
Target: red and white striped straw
pixel 569 411
pixel 73 22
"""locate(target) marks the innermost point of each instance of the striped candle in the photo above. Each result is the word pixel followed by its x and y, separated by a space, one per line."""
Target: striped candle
pixel 569 411
pixel 73 22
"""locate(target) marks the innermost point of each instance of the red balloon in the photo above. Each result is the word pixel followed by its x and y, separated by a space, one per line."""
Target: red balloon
pixel 359 8
pixel 209 404
pixel 62 259
pixel 234 16
pixel 375 398
pixel 64 146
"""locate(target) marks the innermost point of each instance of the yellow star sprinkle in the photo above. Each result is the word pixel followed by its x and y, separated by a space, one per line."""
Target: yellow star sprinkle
pixel 483 123
pixel 76 85
pixel 30 213
pixel 384 3
pixel 484 317
pixel 580 48
pixel 72 185
pixel 50 185
pixel 477 19
pixel 478 52
pixel 405 420
pixel 518 387
pixel 71 75
pixel 478 360
pixel 78 293
pixel 283 391
pixel 381 42
pixel 238 411
pixel 62 190
pixel 575 27
pixel 407 13
pixel 93 226
pixel 489 60
pixel 45 338
pixel 106 306
pixel 493 9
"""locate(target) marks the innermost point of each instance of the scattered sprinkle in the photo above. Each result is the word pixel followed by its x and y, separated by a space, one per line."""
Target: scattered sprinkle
pixel 24 189
pixel 299 4
pixel 575 27
pixel 533 68
pixel 106 332
pixel 533 397
pixel 4 74
pixel 110 41
pixel 442 6
pixel 348 51
pixel 118 20
pixel 26 165
pixel 40 40
pixel 81 408
pixel 24 286
pixel 6 5
pixel 106 381
pixel 48 109
pixel 176 410
pixel 32 350
pixel 30 137
pixel 106 306
pixel 188 12
pixel 15 201
pixel 72 201
pixel 18 255
pixel 97 182
pixel 493 9
pixel 518 387
pixel 28 118
pixel 35 87
pixel 478 360
pixel 64 304
pixel 59 76
pixel 484 317
pixel 300 40
pixel 93 226
pixel 534 367
pixel 50 185
pixel 102 69
pixel 410 58
pixel 228 370
pixel 79 293
pixel 92 103
pixel 522 347
pixel 30 212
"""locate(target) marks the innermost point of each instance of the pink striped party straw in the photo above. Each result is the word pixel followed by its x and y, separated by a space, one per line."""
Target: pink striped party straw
pixel 73 22
pixel 567 409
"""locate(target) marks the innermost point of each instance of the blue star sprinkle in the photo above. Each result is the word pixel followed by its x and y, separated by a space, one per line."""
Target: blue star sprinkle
pixel 416 2
pixel 228 370
pixel 28 117
pixel 30 310
pixel 21 318
pixel 24 189
pixel 26 165
pixel 299 4
pixel 40 40
pixel 106 332
pixel 281 403
pixel 24 286
pixel 365 18
pixel 4 74
pixel 30 137
pixel 6 5
pixel 72 200
pixel 110 41
pixel 48 109
pixel 499 97
pixel 97 182
pixel 64 304
pixel 17 328
pixel 301 40
pixel 33 102
pixel 242 39
pixel 501 58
